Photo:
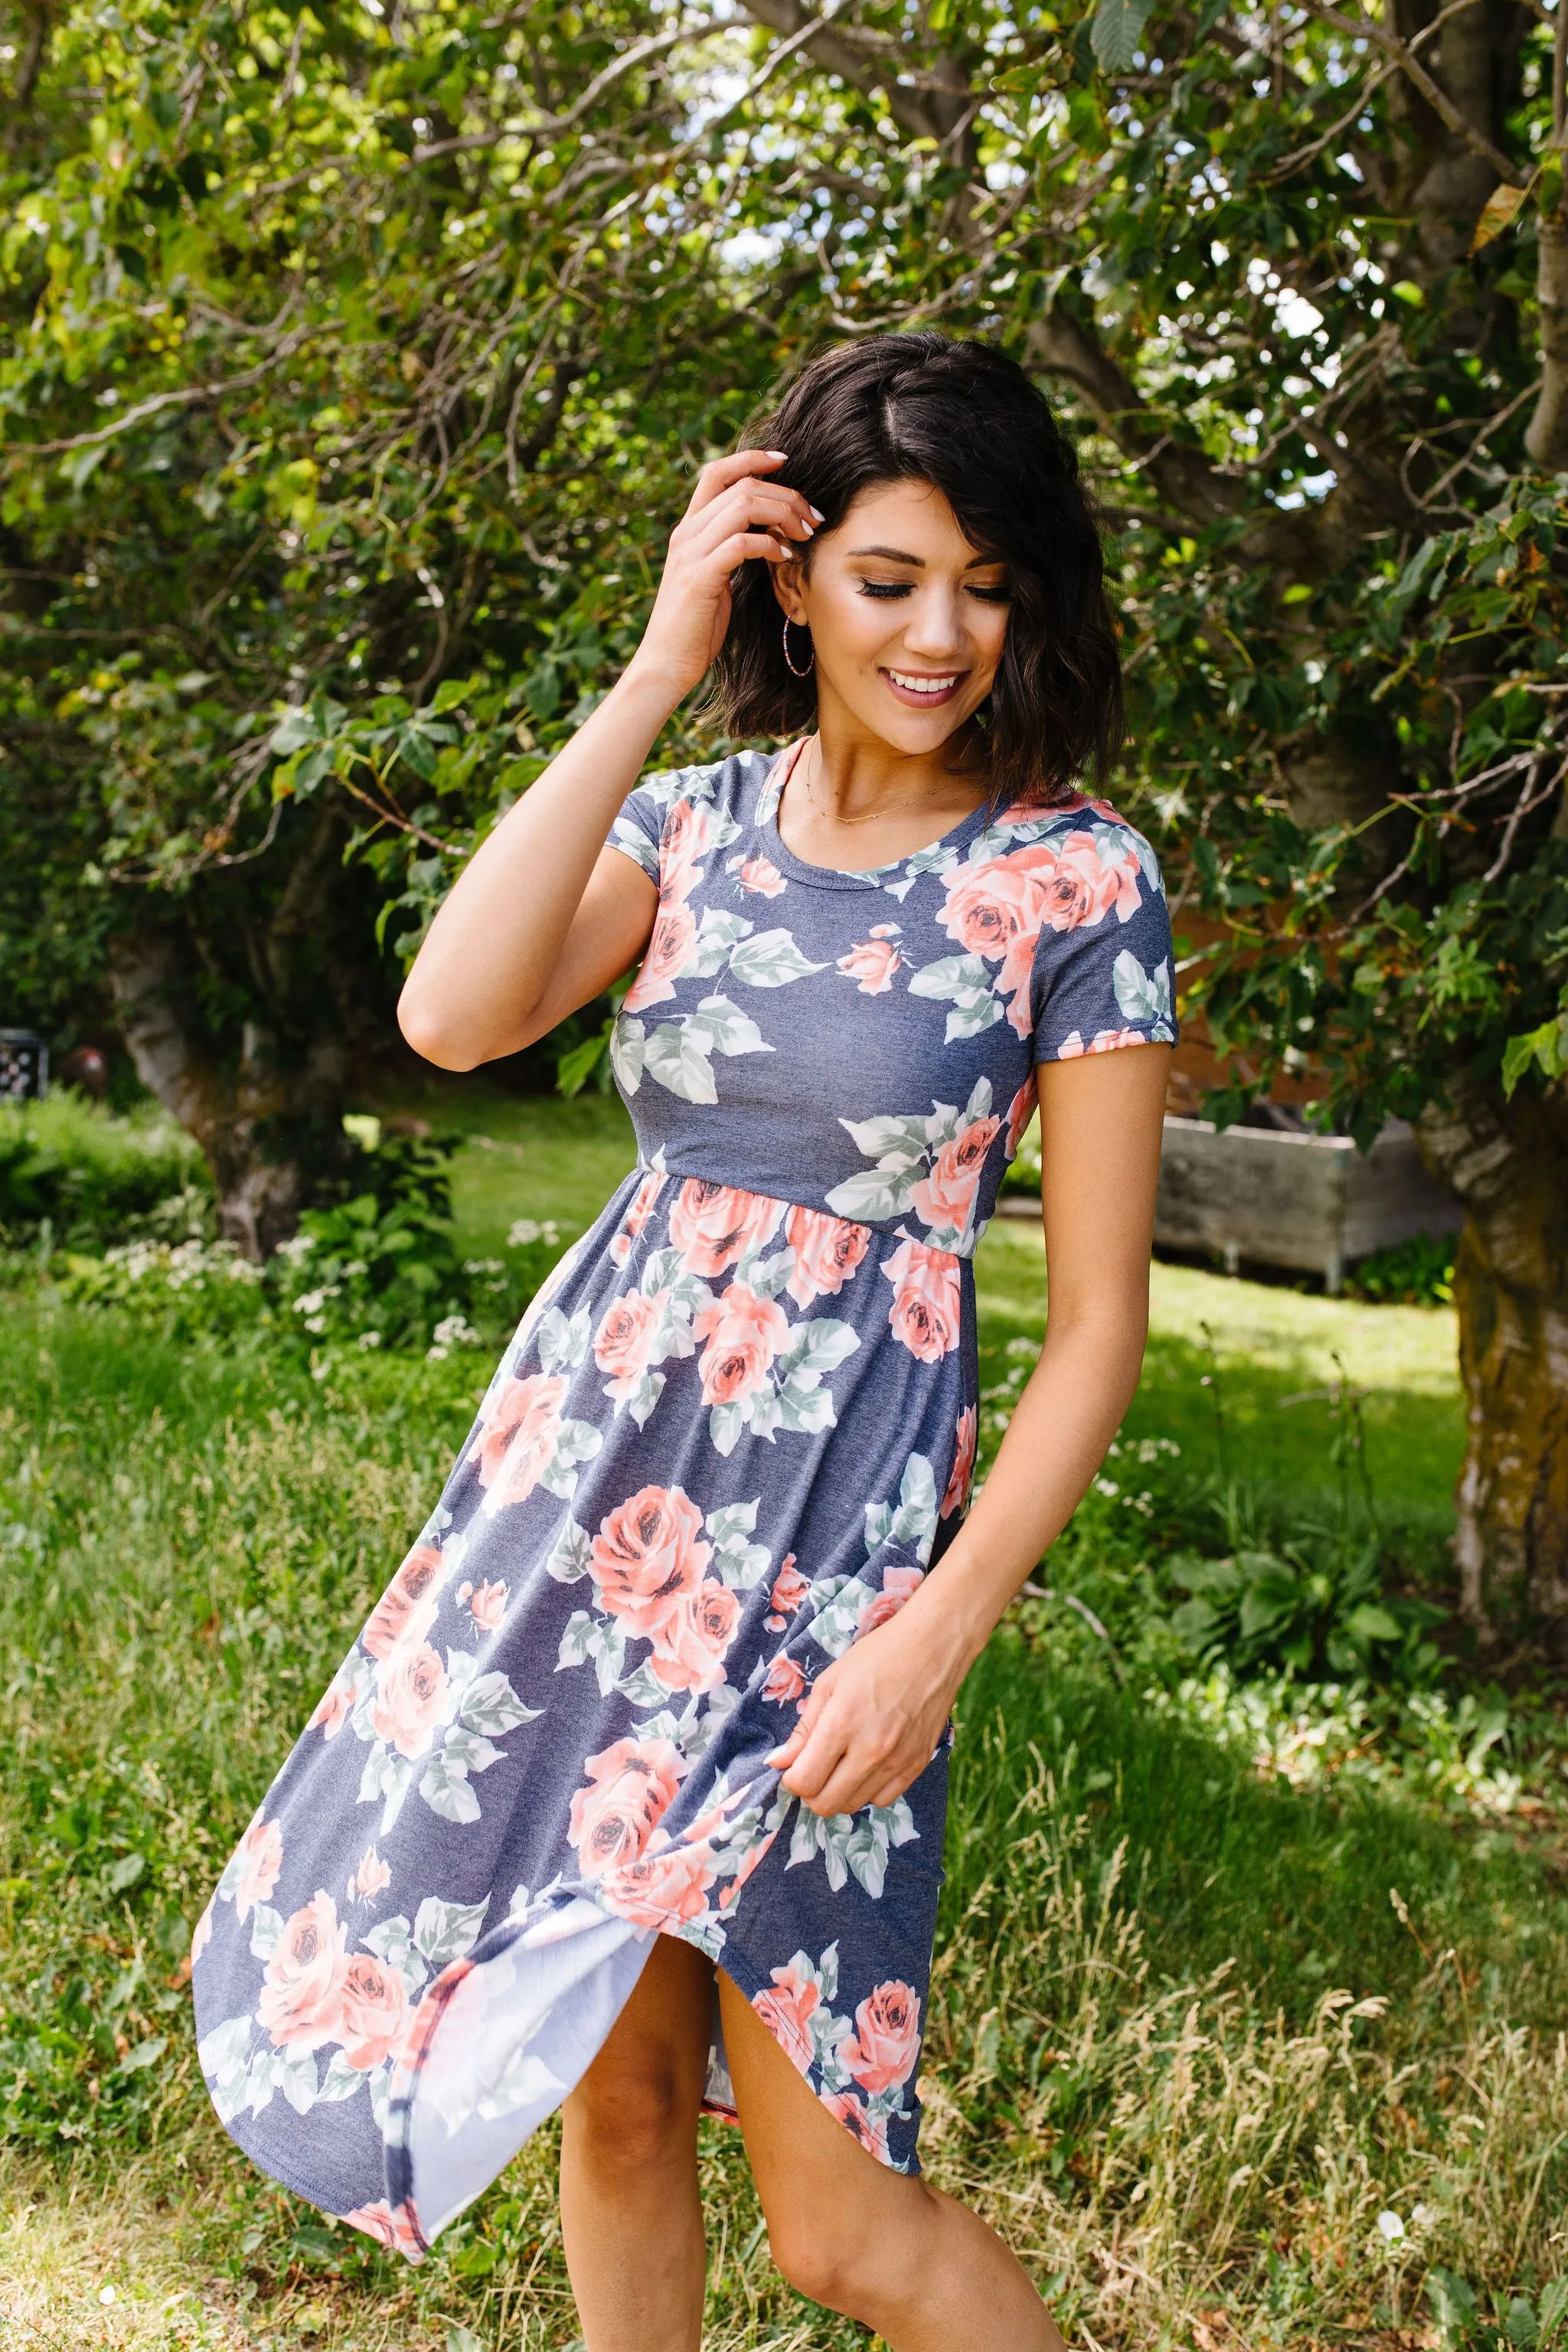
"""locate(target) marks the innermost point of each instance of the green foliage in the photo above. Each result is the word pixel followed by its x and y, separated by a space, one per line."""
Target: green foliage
pixel 1418 1271
pixel 1313 1607
pixel 85 1174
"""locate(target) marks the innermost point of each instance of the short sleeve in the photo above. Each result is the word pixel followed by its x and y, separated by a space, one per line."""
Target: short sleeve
pixel 638 828
pixel 1104 967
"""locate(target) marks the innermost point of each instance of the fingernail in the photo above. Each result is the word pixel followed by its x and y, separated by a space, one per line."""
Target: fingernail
pixel 818 513
pixel 780 454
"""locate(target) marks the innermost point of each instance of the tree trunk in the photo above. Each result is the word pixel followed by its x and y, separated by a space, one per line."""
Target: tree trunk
pixel 248 1120
pixel 1507 1162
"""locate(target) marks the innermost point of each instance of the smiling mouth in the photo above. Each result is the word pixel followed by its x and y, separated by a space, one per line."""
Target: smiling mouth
pixel 918 686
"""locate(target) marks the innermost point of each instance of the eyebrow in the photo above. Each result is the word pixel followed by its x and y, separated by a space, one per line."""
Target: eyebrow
pixel 900 555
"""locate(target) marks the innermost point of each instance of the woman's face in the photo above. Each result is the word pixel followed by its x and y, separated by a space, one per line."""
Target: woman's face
pixel 908 620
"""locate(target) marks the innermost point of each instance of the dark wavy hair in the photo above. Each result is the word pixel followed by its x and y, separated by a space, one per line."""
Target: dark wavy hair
pixel 963 416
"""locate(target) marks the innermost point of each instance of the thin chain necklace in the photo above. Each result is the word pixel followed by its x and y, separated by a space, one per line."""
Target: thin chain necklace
pixel 887 808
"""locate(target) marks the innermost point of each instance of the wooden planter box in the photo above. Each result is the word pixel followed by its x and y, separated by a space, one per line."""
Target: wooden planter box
pixel 1312 1201
pixel 1309 1201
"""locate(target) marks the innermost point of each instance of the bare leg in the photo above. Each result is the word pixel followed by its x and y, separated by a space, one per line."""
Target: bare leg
pixel 630 2217
pixel 926 2274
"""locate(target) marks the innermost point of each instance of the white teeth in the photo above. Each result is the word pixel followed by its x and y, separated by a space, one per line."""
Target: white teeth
pixel 923 685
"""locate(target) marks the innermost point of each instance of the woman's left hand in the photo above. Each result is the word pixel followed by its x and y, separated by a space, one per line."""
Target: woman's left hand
pixel 870 1723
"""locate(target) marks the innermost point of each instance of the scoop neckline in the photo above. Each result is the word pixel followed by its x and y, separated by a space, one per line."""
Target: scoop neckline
pixel 842 877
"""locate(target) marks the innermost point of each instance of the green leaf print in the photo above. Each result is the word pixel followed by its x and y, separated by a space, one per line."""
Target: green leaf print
pixel 266 1927
pixel 679 1061
pixel 716 933
pixel 805 1410
pixel 295 2075
pixel 817 1346
pixel 443 1932
pixel 469 1751
pixel 628 1049
pixel 876 1194
pixel 340 2080
pixel 225 2056
pixel 771 960
pixel 726 1028
pixel 914 1522
pixel 892 1143
pixel 562 1344
pixel 444 1785
pixel 567 1559
pixel 742 1565
pixel 575 1441
pixel 489 1705
pixel 392 1941
pixel 1141 995
pixel 965 982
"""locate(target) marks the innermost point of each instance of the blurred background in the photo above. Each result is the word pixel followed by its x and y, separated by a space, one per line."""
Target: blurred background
pixel 355 362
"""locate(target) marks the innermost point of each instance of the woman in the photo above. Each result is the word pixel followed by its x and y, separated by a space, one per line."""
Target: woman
pixel 630 1795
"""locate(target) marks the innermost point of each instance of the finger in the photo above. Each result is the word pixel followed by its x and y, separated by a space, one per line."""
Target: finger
pixel 851 1784
pixel 819 1760
pixel 718 475
pixel 742 547
pixel 754 503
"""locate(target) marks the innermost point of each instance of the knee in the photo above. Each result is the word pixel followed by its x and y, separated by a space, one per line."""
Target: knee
pixel 631 2122
pixel 820 2262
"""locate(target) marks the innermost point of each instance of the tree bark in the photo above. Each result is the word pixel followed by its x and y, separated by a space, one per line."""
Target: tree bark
pixel 1507 1162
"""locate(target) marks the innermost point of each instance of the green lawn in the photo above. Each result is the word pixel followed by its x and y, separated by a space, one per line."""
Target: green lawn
pixel 1185 2042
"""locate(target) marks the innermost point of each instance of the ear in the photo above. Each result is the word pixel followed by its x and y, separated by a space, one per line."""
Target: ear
pixel 786 578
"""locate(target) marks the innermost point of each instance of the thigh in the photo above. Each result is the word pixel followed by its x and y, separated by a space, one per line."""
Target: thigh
pixel 660 2041
pixel 810 2171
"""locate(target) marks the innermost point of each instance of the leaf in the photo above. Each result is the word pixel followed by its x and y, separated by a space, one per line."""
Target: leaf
pixel 628 1053
pixel 445 1789
pixel 771 960
pixel 1371 1623
pixel 145 2054
pixel 266 1927
pixel 679 1062
pixel 125 1872
pixel 726 1028
pixel 1116 31
pixel 874 1194
pixel 1496 213
pixel 443 1932
pixel 568 1557
pixel 1141 995
pixel 576 1636
pixel 492 1705
pixel 817 1346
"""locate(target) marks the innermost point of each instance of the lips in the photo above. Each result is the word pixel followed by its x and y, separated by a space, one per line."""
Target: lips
pixel 924 690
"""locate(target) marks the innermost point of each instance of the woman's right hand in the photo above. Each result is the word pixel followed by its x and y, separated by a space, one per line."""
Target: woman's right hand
pixel 735 514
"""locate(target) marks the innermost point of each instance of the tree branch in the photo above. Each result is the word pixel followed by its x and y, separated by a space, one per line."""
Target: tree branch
pixel 188 398
pixel 923 111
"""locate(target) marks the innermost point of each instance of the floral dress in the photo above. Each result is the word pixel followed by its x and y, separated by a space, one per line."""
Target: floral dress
pixel 728 1439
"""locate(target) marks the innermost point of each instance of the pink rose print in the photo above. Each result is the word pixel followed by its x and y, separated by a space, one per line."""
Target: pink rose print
pixel 784 1683
pixel 790 1588
pixel 926 1309
pixel 870 2131
pixel 262 1846
pixel 670 942
pixel 963 1462
pixel 373 2006
pixel 996 909
pixel 744 1333
pixel 713 1225
pixel 370 1875
pixel 410 1686
pixel 687 837
pixel 946 1197
pixel 689 1646
pixel 1084 889
pixel 638 1214
pixel 301 1991
pixel 515 1439
pixel 623 1343
pixel 332 1711
pixel 872 962
pixel 1105 1041
pixel 760 877
pixel 827 1252
pixel 406 1610
pixel 659 1887
pixel 787 2012
pixel 486 1605
pixel 1021 1113
pixel 629 1786
pixel 887 2038
pixel 648 1557
pixel 897 1586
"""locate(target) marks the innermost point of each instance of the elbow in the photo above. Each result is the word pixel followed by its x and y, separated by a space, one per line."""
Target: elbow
pixel 433 1039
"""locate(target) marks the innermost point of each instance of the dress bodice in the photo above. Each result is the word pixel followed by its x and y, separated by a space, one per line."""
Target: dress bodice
pixel 866 1043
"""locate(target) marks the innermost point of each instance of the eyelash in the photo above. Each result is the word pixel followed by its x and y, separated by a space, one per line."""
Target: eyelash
pixel 901 588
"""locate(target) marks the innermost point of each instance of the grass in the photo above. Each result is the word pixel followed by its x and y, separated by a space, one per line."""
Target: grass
pixel 1186 2047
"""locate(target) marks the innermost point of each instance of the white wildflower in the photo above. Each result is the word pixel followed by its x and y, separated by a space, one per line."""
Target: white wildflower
pixel 370 1338
pixel 1390 2227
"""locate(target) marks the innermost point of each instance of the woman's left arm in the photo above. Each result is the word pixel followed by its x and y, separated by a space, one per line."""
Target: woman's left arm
pixel 872 1721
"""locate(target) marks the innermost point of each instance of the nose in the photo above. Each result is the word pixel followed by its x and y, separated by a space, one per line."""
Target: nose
pixel 934 629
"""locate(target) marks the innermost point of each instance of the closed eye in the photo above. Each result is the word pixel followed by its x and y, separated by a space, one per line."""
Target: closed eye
pixel 903 588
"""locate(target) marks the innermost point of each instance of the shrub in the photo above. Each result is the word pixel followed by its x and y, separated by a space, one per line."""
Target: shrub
pixel 1418 1271
pixel 79 1174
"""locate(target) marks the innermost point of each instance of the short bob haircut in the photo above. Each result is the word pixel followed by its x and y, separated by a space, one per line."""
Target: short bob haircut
pixel 963 416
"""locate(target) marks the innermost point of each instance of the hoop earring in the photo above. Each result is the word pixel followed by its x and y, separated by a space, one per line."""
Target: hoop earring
pixel 810 666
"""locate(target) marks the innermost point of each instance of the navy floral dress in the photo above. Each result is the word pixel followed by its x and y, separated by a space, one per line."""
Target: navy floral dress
pixel 728 1439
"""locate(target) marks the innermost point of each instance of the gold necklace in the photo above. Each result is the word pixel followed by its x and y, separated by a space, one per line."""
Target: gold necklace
pixel 832 815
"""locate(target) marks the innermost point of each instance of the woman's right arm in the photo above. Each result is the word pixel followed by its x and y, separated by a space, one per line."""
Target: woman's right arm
pixel 543 916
